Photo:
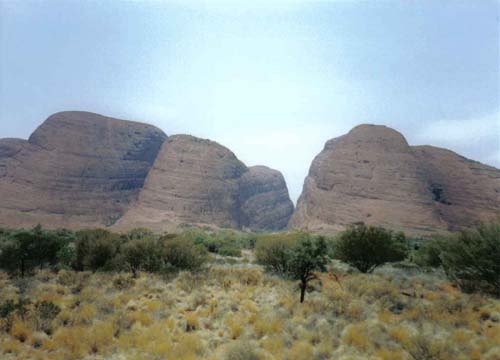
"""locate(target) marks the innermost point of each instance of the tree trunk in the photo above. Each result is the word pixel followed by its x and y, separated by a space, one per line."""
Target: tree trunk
pixel 303 286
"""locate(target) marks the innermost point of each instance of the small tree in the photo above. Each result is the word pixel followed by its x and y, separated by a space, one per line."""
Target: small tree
pixel 472 259
pixel 47 244
pixel 304 259
pixel 367 247
pixel 19 253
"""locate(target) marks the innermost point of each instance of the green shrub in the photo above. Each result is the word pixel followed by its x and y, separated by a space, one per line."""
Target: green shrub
pixel 428 253
pixel 66 256
pixel 249 241
pixel 96 249
pixel 272 250
pixel 47 244
pixel 144 254
pixel 367 247
pixel 471 259
pixel 226 243
pixel 198 237
pixel 7 308
pixel 43 313
pixel 183 254
pixel 47 310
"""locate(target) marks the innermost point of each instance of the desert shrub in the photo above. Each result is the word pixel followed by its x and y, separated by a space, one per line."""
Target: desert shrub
pixel 367 247
pixel 22 307
pixel 248 241
pixel 66 256
pixel 96 249
pixel 47 309
pixel 428 253
pixel 306 257
pixel 272 250
pixel 144 254
pixel 471 259
pixel 9 308
pixel 183 254
pixel 44 313
pixel 48 244
pixel 225 243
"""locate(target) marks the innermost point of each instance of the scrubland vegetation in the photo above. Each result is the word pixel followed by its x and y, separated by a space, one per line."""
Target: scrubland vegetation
pixel 367 294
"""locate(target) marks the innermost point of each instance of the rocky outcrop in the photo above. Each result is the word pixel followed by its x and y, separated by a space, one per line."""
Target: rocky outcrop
pixel 264 200
pixel 77 169
pixel 80 169
pixel 200 182
pixel 193 181
pixel 464 191
pixel 372 175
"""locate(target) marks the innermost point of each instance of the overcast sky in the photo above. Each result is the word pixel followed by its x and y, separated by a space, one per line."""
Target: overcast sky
pixel 271 80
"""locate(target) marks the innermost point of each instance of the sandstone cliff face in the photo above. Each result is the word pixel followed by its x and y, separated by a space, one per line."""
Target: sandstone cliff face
pixel 372 175
pixel 77 169
pixel 192 181
pixel 464 191
pixel 200 182
pixel 264 200
pixel 81 169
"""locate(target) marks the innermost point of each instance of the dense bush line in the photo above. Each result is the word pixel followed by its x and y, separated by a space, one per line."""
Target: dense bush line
pixel 470 259
pixel 97 250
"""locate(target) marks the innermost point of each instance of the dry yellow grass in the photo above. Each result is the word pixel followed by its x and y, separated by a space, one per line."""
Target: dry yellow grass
pixel 230 313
